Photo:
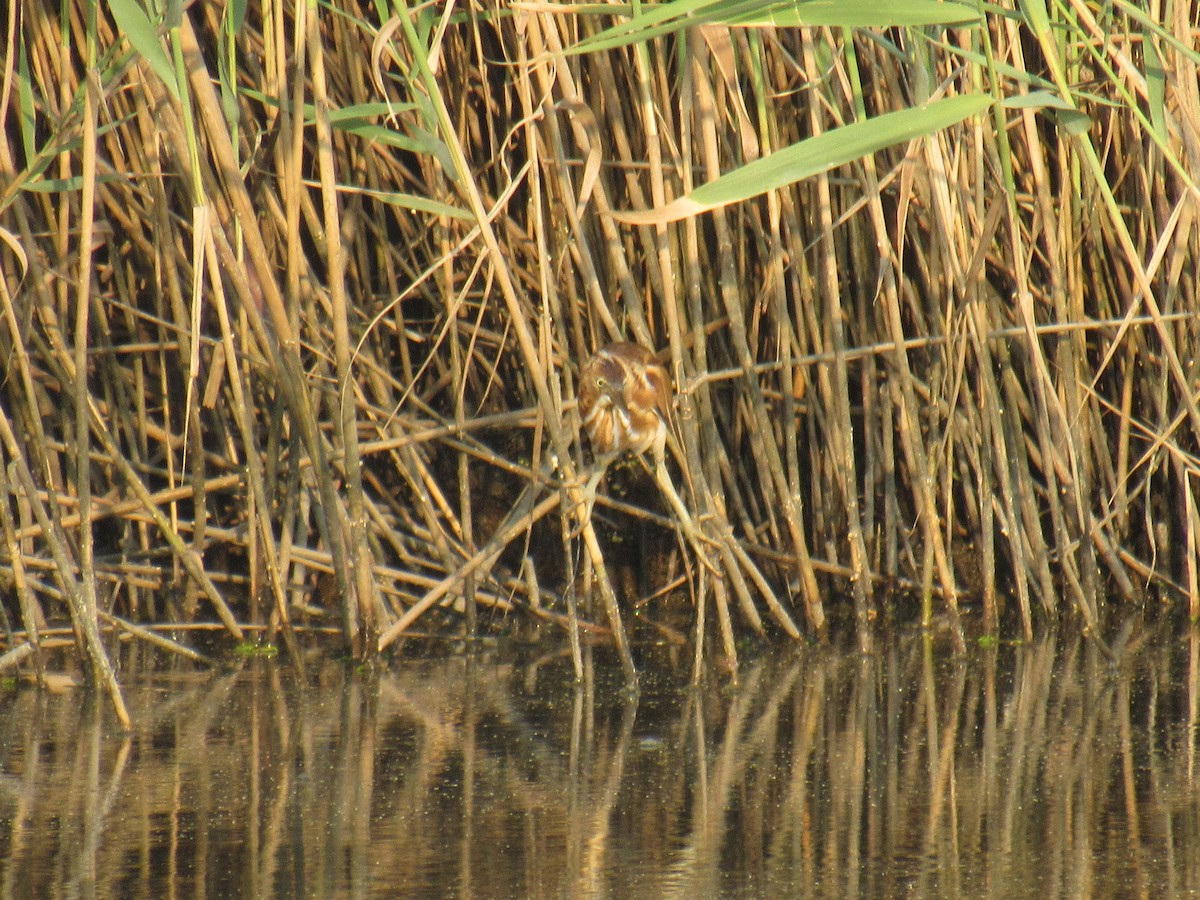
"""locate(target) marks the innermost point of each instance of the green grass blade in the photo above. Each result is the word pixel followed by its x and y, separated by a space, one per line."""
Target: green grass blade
pixel 134 24
pixel 815 155
pixel 668 18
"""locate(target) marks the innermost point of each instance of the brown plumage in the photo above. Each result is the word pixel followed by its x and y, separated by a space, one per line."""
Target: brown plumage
pixel 625 400
pixel 625 404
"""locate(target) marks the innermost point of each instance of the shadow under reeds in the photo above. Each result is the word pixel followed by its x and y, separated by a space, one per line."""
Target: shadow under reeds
pixel 1013 771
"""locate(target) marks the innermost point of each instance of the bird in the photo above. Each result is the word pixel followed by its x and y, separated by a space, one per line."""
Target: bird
pixel 625 401
pixel 625 405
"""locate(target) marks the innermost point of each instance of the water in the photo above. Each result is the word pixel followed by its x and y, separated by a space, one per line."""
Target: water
pixel 1019 771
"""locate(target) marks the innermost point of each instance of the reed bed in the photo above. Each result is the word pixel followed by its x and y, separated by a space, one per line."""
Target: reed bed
pixel 295 300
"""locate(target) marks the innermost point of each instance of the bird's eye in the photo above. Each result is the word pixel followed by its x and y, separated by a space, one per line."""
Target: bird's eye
pixel 602 382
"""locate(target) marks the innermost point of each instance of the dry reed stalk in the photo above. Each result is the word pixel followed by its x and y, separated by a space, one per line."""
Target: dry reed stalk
pixel 365 620
pixel 836 395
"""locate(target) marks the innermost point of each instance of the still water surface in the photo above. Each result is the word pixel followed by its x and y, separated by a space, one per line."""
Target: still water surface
pixel 1019 771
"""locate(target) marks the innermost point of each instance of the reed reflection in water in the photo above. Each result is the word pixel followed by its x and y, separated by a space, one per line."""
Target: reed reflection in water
pixel 1019 771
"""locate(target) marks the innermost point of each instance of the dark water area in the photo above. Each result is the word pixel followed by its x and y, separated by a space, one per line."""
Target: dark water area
pixel 1014 771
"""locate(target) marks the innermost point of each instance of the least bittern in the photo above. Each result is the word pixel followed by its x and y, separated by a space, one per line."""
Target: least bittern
pixel 625 401
pixel 625 405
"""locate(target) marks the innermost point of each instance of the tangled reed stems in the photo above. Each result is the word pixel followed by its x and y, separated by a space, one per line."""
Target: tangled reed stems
pixel 293 309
